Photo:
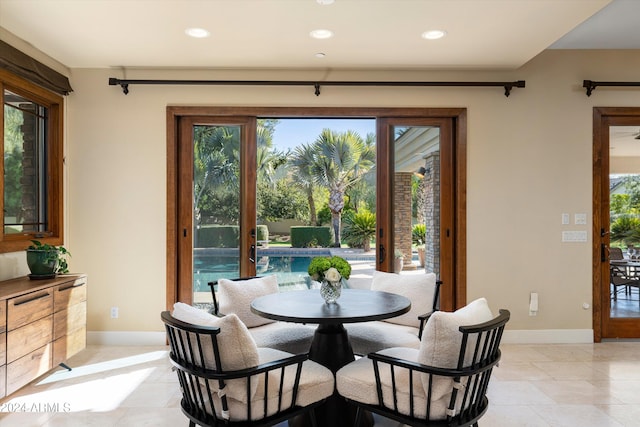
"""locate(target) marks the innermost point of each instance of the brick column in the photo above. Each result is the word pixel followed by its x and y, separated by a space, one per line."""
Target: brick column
pixel 402 216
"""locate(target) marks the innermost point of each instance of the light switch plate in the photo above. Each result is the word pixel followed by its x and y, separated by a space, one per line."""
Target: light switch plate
pixel 574 236
pixel 580 219
pixel 565 219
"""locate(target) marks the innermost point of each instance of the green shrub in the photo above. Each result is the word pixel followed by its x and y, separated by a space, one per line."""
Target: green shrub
pixel 217 236
pixel 262 233
pixel 419 234
pixel 359 228
pixel 626 229
pixel 309 237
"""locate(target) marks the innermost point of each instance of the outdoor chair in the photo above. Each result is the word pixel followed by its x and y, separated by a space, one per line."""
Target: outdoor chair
pixel 444 383
pixel 423 290
pixel 235 296
pixel 227 381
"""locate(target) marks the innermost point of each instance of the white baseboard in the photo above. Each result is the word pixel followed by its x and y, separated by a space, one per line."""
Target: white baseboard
pixel 548 336
pixel 540 336
pixel 126 338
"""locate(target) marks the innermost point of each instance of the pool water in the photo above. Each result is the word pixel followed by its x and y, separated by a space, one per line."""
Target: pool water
pixel 289 265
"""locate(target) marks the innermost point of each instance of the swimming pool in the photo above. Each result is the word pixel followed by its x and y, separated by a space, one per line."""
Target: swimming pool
pixel 288 264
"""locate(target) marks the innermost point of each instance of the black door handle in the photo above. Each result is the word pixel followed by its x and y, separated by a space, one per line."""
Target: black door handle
pixel 382 252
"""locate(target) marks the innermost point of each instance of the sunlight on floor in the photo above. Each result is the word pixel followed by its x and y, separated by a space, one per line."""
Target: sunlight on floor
pixel 113 386
pixel 109 365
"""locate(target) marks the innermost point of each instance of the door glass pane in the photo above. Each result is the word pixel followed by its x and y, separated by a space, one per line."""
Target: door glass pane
pixel 417 199
pixel 316 187
pixel 25 209
pixel 624 204
pixel 216 206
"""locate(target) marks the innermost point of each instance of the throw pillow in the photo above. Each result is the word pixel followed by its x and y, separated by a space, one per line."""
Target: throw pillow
pixel 235 296
pixel 441 341
pixel 418 288
pixel 235 344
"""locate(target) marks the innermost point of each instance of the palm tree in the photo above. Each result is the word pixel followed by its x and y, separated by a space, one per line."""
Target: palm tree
pixel 341 159
pixel 304 156
pixel 215 154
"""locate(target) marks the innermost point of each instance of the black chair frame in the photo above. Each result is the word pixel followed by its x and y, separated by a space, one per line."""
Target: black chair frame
pixel 436 306
pixel 187 343
pixel 473 378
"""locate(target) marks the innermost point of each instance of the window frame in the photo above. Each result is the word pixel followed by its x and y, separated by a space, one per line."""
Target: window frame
pixel 55 160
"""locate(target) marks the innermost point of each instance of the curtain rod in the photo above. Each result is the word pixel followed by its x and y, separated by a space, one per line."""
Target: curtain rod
pixel 590 85
pixel 124 84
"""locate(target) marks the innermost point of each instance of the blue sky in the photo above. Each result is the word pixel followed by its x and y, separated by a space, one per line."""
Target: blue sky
pixel 290 133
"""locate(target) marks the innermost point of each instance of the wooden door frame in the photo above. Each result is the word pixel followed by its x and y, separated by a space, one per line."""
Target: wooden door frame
pixel 453 295
pixel 603 326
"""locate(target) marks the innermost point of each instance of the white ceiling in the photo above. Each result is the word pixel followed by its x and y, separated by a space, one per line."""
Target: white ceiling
pixel 369 34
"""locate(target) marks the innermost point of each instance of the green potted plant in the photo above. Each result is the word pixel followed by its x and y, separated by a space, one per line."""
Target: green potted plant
pixel 418 238
pixel 46 261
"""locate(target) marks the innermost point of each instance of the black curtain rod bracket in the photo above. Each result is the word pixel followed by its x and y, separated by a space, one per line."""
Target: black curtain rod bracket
pixel 591 85
pixel 124 84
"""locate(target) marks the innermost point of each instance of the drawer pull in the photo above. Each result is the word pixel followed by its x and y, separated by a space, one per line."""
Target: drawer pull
pixel 31 299
pixel 74 285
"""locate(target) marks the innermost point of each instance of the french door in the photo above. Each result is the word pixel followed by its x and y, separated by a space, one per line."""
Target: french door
pixel 416 150
pixel 616 187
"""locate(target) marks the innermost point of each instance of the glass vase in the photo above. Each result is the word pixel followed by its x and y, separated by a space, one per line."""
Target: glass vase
pixel 330 291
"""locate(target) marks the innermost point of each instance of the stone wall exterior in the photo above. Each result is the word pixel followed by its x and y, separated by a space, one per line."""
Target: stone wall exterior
pixel 402 215
pixel 430 212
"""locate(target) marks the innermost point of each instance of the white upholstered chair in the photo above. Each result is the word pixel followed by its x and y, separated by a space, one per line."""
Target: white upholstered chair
pixel 443 383
pixel 234 296
pixel 422 290
pixel 226 380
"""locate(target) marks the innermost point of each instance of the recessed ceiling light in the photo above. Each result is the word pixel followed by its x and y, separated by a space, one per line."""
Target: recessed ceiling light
pixel 434 34
pixel 320 55
pixel 325 2
pixel 321 34
pixel 198 33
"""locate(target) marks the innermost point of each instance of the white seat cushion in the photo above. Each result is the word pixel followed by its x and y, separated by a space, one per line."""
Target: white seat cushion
pixel 235 296
pixel 369 337
pixel 440 347
pixel 290 337
pixel 236 346
pixel 316 383
pixel 356 381
pixel 418 288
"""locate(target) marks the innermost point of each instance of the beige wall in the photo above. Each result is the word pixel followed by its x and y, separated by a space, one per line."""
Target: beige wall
pixel 529 160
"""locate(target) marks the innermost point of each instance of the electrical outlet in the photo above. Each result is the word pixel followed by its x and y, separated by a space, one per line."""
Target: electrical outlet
pixel 114 312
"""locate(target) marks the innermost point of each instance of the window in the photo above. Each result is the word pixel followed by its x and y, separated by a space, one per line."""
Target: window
pixel 32 164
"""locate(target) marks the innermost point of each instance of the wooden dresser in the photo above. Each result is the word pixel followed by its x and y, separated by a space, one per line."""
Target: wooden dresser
pixel 42 324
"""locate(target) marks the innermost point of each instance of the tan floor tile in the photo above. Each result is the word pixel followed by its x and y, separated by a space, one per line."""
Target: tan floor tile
pixel 535 385
pixel 576 415
pixel 576 392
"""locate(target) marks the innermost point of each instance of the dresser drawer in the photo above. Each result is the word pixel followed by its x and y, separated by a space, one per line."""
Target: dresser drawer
pixel 3 349
pixel 69 320
pixel 69 345
pixel 3 381
pixel 70 293
pixel 3 316
pixel 28 367
pixel 28 338
pixel 28 308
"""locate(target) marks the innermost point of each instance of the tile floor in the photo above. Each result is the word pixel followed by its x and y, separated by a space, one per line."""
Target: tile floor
pixel 535 385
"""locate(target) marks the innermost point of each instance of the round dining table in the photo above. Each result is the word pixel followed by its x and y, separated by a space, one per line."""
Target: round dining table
pixel 330 345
